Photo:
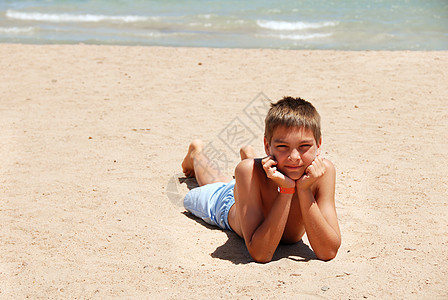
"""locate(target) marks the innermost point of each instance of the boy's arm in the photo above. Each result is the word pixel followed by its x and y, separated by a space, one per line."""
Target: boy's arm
pixel 319 213
pixel 261 235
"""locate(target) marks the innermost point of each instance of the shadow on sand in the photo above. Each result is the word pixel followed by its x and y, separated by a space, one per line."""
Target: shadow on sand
pixel 189 181
pixel 234 249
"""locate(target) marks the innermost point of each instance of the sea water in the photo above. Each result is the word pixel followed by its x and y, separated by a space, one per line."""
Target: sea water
pixel 302 24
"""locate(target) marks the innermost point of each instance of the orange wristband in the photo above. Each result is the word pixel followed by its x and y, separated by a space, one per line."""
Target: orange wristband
pixel 286 190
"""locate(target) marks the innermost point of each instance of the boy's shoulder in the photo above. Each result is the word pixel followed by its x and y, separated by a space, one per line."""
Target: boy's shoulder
pixel 328 164
pixel 249 168
pixel 328 180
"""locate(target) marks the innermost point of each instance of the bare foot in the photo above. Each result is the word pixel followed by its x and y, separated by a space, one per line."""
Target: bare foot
pixel 247 152
pixel 187 164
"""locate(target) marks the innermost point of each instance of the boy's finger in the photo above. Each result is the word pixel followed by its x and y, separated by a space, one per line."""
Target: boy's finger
pixel 320 165
pixel 271 172
pixel 266 159
pixel 317 168
pixel 269 163
pixel 310 169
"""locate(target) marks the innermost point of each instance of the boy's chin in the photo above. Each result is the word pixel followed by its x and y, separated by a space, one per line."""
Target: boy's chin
pixel 294 175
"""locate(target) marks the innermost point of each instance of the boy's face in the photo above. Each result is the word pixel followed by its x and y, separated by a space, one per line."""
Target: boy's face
pixel 293 148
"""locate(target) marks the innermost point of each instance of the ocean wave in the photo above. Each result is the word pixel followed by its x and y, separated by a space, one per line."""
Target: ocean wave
pixel 282 25
pixel 16 30
pixel 297 36
pixel 36 16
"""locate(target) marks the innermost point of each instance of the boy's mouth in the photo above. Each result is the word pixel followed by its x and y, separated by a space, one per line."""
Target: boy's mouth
pixel 293 168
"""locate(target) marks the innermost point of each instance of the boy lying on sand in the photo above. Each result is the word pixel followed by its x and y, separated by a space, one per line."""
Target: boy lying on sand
pixel 276 198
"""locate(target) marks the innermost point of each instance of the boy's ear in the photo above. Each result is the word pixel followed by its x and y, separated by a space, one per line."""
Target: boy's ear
pixel 266 147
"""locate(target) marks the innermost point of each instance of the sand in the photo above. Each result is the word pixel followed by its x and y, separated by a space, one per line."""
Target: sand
pixel 91 142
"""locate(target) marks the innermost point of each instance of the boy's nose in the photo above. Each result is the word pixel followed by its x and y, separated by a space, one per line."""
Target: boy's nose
pixel 294 155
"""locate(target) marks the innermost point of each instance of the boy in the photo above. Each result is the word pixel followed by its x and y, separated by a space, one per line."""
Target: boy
pixel 277 198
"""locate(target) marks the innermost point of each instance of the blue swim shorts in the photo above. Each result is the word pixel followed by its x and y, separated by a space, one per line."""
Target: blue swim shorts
pixel 212 203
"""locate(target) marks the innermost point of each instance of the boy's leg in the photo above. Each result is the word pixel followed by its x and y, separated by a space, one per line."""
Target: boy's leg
pixel 247 152
pixel 215 209
pixel 198 165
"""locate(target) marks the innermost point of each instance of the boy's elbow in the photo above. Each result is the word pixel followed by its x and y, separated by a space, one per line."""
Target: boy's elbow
pixel 262 259
pixel 328 254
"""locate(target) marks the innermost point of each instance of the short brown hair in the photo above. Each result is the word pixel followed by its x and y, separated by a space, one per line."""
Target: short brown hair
pixel 292 112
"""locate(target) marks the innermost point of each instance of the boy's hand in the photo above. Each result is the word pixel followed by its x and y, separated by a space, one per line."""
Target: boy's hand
pixel 271 171
pixel 313 172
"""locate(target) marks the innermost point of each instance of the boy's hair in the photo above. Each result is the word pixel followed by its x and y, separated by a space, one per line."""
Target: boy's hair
pixel 292 112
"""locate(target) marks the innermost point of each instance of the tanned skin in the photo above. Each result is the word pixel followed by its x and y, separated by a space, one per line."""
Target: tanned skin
pixel 261 215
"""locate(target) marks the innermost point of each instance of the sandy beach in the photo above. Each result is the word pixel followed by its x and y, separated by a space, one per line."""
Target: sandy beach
pixel 91 188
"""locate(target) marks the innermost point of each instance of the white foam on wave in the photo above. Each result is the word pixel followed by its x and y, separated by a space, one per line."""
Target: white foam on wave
pixel 197 24
pixel 298 36
pixel 282 25
pixel 16 30
pixel 36 16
